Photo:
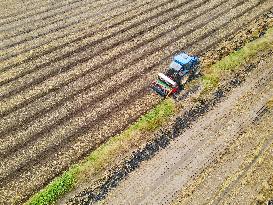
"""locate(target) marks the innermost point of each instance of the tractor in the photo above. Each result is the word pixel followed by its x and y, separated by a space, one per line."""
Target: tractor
pixel 182 68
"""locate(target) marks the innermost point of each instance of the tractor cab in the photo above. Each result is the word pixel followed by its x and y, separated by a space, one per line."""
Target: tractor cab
pixel 180 69
pixel 182 64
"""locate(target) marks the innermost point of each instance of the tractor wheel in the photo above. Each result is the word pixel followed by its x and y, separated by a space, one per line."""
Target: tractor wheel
pixel 185 79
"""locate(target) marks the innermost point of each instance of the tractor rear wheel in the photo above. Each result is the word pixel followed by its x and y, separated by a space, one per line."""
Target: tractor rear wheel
pixel 185 79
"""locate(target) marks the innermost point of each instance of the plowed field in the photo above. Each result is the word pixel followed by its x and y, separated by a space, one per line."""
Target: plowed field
pixel 73 73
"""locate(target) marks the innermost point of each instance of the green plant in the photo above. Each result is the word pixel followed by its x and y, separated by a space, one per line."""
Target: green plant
pixel 55 189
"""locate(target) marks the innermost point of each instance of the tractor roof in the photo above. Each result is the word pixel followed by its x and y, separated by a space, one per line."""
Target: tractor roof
pixel 183 58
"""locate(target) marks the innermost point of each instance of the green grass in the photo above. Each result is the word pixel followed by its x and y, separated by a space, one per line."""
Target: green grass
pixel 55 189
pixel 234 60
pixel 103 155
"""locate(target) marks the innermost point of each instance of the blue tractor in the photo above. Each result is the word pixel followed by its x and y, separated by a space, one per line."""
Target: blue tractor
pixel 182 68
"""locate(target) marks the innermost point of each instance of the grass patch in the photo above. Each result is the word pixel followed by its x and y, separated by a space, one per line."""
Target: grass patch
pixel 233 61
pixel 55 189
pixel 104 154
pixel 156 117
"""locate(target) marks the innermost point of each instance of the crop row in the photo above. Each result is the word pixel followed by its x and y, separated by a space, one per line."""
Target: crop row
pixel 46 167
pixel 32 9
pixel 16 9
pixel 107 84
pixel 66 20
pixel 26 26
pixel 121 21
pixel 65 30
pixel 56 45
pixel 82 88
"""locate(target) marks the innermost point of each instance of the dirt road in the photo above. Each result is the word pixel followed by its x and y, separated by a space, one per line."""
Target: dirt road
pixel 166 175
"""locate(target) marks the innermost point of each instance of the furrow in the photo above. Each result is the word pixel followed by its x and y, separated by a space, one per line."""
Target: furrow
pixel 25 28
pixel 114 17
pixel 62 160
pixel 69 126
pixel 45 9
pixel 14 6
pixel 75 107
pixel 96 47
pixel 218 35
pixel 23 40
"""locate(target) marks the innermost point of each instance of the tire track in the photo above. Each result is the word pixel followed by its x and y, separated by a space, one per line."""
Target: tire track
pixel 202 140
pixel 81 129
pixel 265 147
pixel 172 162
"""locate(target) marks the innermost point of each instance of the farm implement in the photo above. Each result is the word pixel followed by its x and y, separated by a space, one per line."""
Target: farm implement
pixel 182 68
